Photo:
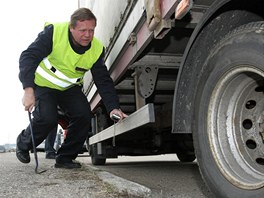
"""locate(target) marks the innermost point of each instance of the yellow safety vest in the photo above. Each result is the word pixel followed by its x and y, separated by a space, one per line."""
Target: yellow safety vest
pixel 64 68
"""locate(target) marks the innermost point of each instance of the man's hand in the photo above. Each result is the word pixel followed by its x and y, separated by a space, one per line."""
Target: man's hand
pixel 28 99
pixel 119 113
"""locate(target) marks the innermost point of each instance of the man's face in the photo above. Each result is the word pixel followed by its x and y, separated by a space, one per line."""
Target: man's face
pixel 83 32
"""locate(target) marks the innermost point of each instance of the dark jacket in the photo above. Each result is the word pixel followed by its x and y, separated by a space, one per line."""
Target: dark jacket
pixel 42 47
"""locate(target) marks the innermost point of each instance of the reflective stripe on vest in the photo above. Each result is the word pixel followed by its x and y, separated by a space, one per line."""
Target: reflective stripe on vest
pixel 52 79
pixel 58 73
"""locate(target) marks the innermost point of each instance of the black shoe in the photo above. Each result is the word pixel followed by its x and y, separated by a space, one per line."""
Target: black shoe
pixel 22 156
pixel 68 165
pixel 51 155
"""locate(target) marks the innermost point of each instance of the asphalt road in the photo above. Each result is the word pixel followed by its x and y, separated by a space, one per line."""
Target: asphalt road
pixel 164 175
pixel 153 176
pixel 19 180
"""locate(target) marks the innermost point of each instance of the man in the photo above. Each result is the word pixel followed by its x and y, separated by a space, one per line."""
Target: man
pixel 51 72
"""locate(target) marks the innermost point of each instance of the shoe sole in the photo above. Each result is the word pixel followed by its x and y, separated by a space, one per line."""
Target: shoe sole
pixel 23 160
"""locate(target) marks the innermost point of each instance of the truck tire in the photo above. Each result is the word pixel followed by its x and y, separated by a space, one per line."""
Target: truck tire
pixel 228 132
pixel 96 159
pixel 99 124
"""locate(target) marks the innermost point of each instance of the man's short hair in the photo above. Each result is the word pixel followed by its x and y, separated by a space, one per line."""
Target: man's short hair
pixel 81 14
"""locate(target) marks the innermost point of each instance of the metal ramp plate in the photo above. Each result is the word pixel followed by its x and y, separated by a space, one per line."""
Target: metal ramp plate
pixel 137 119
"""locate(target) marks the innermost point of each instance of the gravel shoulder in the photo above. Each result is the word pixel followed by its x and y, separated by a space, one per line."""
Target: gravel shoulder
pixel 20 180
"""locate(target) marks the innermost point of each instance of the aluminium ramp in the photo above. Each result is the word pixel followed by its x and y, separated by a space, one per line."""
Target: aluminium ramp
pixel 141 117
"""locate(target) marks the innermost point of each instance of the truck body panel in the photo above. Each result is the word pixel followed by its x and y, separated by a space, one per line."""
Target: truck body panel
pixel 161 55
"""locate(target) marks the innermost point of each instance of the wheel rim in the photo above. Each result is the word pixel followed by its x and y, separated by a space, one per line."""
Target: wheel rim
pixel 236 127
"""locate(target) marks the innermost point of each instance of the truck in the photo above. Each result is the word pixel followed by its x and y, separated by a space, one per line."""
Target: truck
pixel 190 75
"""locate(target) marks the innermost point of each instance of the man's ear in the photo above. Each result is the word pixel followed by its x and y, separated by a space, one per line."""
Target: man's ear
pixel 71 28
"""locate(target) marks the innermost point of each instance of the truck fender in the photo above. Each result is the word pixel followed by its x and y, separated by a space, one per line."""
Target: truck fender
pixel 185 89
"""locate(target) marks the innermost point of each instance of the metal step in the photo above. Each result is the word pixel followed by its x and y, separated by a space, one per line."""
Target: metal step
pixel 139 118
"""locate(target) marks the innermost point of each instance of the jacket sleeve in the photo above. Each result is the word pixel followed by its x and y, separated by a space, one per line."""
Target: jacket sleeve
pixel 33 55
pixel 105 85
